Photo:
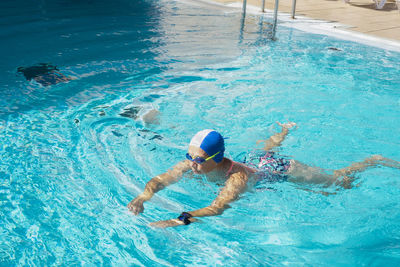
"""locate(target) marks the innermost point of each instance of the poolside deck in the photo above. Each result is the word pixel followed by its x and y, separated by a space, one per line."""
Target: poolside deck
pixel 358 15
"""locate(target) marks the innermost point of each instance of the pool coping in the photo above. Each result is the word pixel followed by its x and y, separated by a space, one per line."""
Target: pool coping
pixel 306 24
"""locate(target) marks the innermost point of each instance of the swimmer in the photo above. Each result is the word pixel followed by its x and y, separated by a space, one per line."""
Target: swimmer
pixel 206 157
pixel 43 73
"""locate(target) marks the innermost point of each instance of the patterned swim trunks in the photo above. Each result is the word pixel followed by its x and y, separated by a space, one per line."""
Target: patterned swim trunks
pixel 269 166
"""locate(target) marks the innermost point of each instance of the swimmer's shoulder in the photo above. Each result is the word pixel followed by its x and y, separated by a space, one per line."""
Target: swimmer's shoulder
pixel 180 168
pixel 183 165
pixel 240 172
pixel 241 167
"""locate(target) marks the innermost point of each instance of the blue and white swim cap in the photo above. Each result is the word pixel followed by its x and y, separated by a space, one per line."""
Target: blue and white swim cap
pixel 211 142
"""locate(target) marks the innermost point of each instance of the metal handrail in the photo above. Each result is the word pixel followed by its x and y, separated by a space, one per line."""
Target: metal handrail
pixel 244 7
pixel 293 8
pixel 276 3
pixel 275 18
pixel 275 12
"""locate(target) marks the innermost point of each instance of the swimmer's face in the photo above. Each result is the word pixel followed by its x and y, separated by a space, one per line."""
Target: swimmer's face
pixel 203 168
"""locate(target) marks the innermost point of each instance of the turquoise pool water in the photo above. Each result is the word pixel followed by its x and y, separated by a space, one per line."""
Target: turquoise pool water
pixel 70 162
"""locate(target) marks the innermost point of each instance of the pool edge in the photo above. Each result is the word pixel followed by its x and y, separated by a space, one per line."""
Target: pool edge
pixel 307 24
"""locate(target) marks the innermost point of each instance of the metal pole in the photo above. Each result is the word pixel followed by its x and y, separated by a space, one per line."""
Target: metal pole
pixel 241 28
pixel 244 6
pixel 275 18
pixel 263 6
pixel 293 8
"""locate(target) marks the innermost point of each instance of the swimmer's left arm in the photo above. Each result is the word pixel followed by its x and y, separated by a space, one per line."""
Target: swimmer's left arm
pixel 235 185
pixel 277 139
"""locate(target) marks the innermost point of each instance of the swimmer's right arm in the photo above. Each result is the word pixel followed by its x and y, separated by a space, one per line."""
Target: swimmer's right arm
pixel 156 184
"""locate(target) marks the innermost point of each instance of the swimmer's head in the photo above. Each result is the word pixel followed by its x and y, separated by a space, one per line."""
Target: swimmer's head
pixel 211 142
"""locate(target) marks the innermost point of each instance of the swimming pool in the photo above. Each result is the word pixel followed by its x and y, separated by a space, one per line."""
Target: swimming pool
pixel 71 162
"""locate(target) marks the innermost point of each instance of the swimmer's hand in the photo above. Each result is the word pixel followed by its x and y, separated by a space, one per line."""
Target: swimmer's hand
pixel 289 125
pixel 170 223
pixel 136 205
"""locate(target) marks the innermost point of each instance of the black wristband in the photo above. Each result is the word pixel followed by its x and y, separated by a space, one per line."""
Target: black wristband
pixel 184 217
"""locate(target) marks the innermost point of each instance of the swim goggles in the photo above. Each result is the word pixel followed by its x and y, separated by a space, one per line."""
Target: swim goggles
pixel 200 160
